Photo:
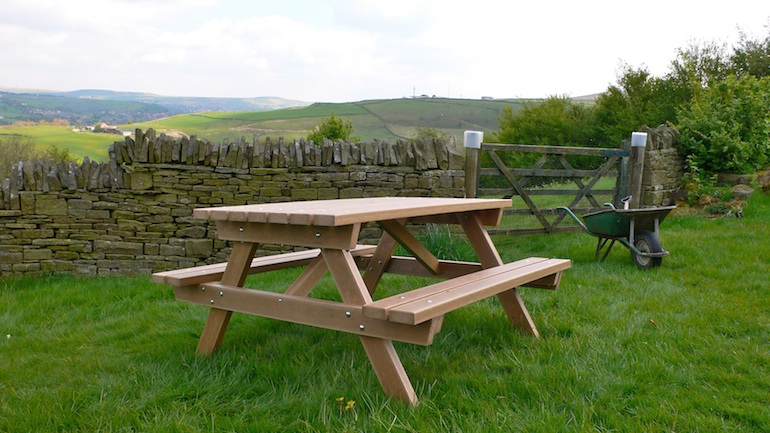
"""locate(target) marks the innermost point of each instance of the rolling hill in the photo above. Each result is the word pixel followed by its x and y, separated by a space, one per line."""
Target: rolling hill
pixel 217 119
pixel 87 107
pixel 189 104
pixel 381 119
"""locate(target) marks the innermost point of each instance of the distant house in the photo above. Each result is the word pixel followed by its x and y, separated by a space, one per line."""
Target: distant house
pixel 107 129
pixel 487 98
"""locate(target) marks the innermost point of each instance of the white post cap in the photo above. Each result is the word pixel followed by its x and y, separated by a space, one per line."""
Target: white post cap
pixel 473 139
pixel 638 139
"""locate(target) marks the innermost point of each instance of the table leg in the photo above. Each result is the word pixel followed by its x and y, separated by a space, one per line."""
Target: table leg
pixel 235 274
pixel 385 361
pixel 390 372
pixel 488 256
pixel 312 274
pixel 379 261
pixel 517 312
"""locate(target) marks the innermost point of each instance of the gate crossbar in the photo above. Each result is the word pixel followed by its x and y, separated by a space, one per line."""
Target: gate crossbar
pixel 519 178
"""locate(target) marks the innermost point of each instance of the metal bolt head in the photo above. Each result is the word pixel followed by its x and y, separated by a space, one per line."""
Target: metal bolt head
pixel 347 314
pixel 361 327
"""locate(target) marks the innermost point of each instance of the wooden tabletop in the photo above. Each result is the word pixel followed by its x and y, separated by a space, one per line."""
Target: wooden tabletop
pixel 341 212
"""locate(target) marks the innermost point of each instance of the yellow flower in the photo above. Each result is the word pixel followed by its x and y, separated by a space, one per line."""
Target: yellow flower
pixel 350 405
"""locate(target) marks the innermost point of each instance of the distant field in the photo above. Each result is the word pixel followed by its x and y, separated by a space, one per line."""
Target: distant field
pixel 390 119
pixel 382 119
pixel 79 144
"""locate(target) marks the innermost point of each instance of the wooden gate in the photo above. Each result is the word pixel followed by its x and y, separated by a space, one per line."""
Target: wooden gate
pixel 548 176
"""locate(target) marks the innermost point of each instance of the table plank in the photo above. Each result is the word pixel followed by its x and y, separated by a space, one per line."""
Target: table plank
pixel 339 237
pixel 348 211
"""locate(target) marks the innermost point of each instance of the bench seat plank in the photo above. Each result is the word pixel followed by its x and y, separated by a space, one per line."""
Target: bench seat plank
pixel 437 299
pixel 208 273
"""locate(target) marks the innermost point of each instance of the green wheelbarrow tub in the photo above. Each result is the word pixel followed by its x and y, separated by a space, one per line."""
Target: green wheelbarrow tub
pixel 616 223
pixel 635 229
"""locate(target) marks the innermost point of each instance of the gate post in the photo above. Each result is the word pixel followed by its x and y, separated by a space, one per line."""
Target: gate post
pixel 638 147
pixel 472 143
pixel 621 183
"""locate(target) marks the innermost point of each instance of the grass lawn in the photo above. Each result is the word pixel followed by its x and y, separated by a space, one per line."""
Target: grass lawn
pixel 681 348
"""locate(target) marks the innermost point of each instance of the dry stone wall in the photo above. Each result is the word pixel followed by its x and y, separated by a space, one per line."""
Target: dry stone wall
pixel 133 213
pixel 663 167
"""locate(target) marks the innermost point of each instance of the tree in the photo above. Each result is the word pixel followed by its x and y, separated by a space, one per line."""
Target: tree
pixel 16 148
pixel 752 56
pixel 727 127
pixel 556 121
pixel 701 64
pixel 333 128
pixel 638 99
pixel 428 134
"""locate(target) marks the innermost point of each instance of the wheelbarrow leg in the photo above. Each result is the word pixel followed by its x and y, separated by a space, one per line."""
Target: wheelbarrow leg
pixel 600 245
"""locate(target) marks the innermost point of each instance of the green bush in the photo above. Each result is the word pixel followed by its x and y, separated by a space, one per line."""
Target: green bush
pixel 333 128
pixel 726 128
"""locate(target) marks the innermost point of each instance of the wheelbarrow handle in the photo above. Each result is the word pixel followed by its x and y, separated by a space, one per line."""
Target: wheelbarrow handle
pixel 574 217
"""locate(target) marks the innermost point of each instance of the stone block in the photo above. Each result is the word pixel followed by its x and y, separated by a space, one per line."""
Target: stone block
pixel 37 254
pixel 652 198
pixel 118 247
pixel 140 180
pixel 26 268
pixel 8 257
pixel 170 250
pixel 34 234
pixel 66 255
pixel 131 225
pixel 271 192
pixel 198 247
pixel 56 265
pixel 105 205
pixel 84 269
pixel 328 193
pixel 300 194
pixel 79 204
pixel 98 214
pixel 152 249
pixel 27 202
pixel 52 206
pixel 351 193
pixel 196 232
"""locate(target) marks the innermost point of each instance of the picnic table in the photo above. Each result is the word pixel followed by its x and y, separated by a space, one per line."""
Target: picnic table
pixel 330 230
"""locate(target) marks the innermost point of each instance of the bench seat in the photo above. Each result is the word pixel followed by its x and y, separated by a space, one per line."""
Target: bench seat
pixel 435 300
pixel 208 273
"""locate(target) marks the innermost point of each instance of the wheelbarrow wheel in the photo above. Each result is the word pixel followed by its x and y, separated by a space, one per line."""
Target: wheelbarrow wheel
pixel 646 242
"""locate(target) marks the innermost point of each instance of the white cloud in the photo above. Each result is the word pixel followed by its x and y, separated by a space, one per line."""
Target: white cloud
pixel 337 50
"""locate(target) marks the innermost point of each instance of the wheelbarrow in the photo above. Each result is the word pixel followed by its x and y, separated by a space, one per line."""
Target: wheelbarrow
pixel 636 229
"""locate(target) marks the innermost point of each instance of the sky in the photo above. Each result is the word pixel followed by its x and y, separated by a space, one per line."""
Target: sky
pixel 352 50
